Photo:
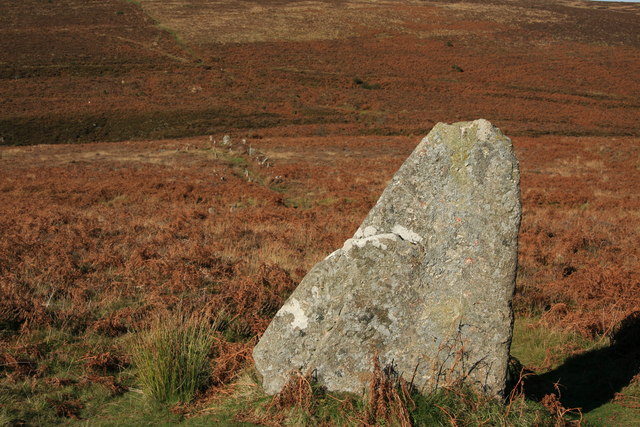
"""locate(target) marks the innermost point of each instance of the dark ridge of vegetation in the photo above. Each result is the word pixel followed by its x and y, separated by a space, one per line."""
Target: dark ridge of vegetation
pixel 365 85
pixel 127 126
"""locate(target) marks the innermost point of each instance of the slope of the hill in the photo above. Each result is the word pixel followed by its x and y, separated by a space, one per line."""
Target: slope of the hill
pixel 77 71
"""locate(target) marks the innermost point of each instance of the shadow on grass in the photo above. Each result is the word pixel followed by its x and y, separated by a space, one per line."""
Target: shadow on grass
pixel 591 379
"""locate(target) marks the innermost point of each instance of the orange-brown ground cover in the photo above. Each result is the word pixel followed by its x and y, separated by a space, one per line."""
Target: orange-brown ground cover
pixel 97 238
pixel 579 256
pixel 101 70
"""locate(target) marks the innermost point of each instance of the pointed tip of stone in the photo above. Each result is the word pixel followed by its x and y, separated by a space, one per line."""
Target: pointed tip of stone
pixel 467 133
pixel 483 129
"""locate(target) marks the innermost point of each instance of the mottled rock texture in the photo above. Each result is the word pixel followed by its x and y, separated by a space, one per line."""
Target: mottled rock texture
pixel 425 283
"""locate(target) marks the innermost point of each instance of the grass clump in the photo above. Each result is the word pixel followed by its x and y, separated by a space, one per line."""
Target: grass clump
pixel 388 401
pixel 463 406
pixel 171 357
pixel 538 346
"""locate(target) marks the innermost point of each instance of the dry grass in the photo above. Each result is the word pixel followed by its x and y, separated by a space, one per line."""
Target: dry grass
pixel 499 13
pixel 389 397
pixel 95 245
pixel 577 256
pixel 250 22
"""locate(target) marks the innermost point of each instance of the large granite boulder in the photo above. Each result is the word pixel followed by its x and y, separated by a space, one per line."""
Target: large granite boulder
pixel 425 283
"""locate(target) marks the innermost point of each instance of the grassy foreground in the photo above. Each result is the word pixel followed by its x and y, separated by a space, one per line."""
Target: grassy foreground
pixel 107 392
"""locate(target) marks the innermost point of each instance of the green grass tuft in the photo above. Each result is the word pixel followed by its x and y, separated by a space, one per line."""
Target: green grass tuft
pixel 536 345
pixel 171 357
pixel 463 406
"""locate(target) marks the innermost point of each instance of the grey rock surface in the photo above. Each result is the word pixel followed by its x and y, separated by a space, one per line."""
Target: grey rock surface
pixel 425 283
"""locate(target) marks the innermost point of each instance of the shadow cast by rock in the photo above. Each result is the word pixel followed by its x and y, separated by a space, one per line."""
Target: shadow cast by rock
pixel 591 379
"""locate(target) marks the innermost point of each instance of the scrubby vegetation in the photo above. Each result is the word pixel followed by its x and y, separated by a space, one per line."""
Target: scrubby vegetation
pixel 171 356
pixel 104 246
pixel 187 67
pixel 110 252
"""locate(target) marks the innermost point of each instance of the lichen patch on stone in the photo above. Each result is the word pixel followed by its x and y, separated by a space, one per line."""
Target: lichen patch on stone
pixel 377 241
pixel 406 234
pixel 300 319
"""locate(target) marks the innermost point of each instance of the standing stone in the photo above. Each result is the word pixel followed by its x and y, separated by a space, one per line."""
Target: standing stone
pixel 425 283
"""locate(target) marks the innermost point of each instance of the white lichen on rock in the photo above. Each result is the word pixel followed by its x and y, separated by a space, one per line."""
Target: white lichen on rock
pixel 377 240
pixel 293 307
pixel 406 234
